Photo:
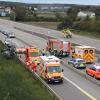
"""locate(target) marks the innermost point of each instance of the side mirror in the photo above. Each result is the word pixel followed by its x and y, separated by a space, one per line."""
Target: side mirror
pixel 62 70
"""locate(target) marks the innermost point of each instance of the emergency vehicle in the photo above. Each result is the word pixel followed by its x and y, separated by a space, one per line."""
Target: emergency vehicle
pixel 50 69
pixel 59 47
pixel 67 33
pixel 84 52
pixel 30 54
pixel 94 71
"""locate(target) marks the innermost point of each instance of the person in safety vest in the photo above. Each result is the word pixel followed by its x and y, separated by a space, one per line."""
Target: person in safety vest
pixel 33 66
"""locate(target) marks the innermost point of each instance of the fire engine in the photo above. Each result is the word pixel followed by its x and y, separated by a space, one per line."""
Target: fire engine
pixel 59 47
pixel 50 69
pixel 84 52
pixel 29 54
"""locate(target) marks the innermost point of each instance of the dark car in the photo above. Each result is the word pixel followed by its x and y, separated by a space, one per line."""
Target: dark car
pixel 77 63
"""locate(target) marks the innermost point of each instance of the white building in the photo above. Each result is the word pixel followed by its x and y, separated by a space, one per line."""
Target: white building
pixel 83 14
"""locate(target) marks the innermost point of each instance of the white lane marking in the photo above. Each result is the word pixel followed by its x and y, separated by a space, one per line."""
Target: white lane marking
pixel 83 91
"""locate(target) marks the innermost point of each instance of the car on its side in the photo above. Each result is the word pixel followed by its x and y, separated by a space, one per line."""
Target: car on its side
pixel 94 71
pixel 77 63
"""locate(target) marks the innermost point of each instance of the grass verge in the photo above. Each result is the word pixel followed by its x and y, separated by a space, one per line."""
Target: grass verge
pixel 87 34
pixel 17 83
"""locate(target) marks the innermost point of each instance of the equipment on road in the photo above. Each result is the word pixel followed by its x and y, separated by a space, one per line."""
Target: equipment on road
pixel 67 33
pixel 50 69
pixel 84 52
pixel 59 47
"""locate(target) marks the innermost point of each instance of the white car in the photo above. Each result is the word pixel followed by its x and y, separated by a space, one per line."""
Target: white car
pixel 7 41
pixel 11 35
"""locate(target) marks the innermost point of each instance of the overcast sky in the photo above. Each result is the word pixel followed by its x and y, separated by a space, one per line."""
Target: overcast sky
pixel 85 2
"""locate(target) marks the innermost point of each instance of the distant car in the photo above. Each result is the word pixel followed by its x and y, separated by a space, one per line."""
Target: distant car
pixel 11 35
pixel 4 32
pixel 94 71
pixel 77 63
pixel 7 41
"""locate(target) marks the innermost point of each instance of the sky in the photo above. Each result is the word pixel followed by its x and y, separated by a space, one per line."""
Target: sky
pixel 83 2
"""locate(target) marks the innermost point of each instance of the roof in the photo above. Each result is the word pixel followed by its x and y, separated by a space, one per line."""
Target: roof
pixel 84 47
pixel 77 58
pixel 97 66
pixel 48 58
pixel 59 39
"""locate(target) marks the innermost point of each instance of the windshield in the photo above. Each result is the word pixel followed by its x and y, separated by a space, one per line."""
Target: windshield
pixel 80 61
pixel 34 54
pixel 54 69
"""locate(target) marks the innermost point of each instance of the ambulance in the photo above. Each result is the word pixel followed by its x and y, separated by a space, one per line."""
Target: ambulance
pixel 86 53
pixel 50 69
pixel 59 47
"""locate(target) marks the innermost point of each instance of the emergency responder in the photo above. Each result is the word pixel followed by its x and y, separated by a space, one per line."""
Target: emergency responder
pixel 33 66
pixel 43 52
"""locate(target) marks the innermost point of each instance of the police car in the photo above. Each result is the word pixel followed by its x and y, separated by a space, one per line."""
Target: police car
pixel 77 63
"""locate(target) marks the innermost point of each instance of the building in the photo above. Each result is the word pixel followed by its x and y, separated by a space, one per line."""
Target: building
pixel 83 14
pixel 5 10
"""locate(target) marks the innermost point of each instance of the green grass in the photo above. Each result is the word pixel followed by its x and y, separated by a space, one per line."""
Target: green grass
pixel 62 14
pixel 17 83
pixel 87 34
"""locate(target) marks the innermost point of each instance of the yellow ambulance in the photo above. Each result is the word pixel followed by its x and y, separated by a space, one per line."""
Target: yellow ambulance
pixel 84 52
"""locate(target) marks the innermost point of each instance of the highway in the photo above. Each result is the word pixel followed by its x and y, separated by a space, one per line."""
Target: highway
pixel 74 87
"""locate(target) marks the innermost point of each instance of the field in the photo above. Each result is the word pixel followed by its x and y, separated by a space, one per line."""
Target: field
pixel 87 34
pixel 53 14
pixel 17 83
